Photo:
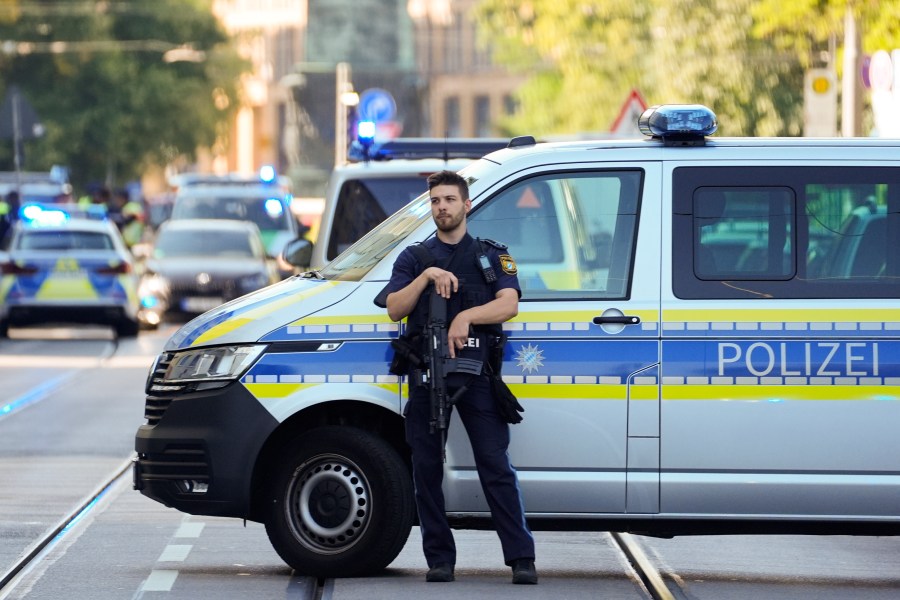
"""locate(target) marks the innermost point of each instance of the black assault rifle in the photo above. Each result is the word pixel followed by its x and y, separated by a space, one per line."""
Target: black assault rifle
pixel 439 364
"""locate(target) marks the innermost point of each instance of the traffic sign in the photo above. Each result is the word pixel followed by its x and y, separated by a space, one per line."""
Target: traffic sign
pixel 626 123
pixel 376 104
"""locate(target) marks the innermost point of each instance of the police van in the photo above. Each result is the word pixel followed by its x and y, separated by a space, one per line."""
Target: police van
pixel 381 178
pixel 718 353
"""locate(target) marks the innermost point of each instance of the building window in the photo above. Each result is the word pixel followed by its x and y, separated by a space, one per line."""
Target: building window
pixel 482 116
pixel 509 105
pixel 452 125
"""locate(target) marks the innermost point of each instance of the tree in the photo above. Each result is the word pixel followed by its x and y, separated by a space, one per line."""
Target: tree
pixel 586 55
pixel 806 27
pixel 109 102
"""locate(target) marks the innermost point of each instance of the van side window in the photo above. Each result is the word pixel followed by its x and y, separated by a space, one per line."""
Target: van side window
pixel 743 233
pixel 781 232
pixel 571 234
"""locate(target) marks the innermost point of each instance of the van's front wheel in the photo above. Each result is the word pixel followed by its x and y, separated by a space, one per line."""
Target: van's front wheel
pixel 341 504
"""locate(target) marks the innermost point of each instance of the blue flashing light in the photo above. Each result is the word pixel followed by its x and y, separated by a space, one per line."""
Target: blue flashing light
pixel 274 208
pixel 267 173
pixel 37 215
pixel 149 301
pixel 365 132
pixel 30 212
pixel 678 124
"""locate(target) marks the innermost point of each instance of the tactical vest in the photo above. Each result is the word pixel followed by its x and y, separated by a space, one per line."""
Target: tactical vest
pixel 473 291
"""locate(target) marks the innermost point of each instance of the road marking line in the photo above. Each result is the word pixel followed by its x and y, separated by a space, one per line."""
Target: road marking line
pixel 189 530
pixel 160 580
pixel 175 553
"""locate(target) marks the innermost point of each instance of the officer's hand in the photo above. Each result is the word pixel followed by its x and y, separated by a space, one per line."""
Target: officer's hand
pixel 445 282
pixel 457 334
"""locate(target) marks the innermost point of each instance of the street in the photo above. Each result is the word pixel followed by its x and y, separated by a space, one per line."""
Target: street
pixel 73 400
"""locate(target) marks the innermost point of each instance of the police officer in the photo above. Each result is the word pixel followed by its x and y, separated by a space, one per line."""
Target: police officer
pixel 9 214
pixel 480 297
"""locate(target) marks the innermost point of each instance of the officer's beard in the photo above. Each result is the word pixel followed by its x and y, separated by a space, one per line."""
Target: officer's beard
pixel 449 222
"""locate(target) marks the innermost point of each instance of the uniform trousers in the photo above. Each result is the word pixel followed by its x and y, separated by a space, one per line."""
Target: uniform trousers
pixel 489 435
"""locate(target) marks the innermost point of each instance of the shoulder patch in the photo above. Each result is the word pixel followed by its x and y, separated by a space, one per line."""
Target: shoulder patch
pixel 494 243
pixel 508 264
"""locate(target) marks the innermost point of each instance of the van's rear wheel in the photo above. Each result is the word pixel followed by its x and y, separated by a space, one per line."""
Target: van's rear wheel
pixel 341 504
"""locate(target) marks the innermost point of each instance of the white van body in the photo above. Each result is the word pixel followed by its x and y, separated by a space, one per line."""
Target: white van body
pixel 725 358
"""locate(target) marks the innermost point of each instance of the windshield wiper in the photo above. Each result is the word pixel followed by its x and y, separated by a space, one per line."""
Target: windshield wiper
pixel 312 274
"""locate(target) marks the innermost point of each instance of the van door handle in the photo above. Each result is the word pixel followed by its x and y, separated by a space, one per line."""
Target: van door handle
pixel 617 320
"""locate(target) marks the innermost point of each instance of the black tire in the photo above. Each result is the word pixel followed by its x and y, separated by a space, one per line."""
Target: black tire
pixel 127 328
pixel 4 329
pixel 341 504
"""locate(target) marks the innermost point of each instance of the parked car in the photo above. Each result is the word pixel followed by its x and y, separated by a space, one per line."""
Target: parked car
pixel 65 268
pixel 198 264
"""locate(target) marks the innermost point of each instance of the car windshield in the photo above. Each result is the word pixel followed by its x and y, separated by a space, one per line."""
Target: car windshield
pixel 197 242
pixel 64 240
pixel 361 257
pixel 364 203
pixel 267 212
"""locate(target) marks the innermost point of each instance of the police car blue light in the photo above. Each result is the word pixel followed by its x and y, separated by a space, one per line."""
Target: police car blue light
pixel 267 174
pixel 36 215
pixel 365 132
pixel 274 208
pixel 684 123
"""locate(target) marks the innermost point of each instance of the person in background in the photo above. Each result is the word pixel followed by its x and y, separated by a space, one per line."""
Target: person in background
pixel 9 214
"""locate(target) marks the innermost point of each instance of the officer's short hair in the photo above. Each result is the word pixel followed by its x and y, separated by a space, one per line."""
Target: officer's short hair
pixel 449 178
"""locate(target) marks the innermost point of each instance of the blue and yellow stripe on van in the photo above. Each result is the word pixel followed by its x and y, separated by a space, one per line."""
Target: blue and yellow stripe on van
pixel 242 313
pixel 794 323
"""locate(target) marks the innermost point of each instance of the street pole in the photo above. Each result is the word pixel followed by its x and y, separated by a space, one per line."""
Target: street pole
pixel 17 160
pixel 342 86
pixel 851 91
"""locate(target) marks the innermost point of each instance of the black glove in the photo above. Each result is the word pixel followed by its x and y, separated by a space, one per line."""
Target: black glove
pixel 507 403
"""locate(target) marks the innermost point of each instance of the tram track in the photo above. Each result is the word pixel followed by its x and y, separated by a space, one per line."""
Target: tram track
pixel 645 570
pixel 56 533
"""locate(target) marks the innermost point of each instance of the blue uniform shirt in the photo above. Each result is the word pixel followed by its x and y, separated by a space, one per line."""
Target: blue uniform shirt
pixel 407 267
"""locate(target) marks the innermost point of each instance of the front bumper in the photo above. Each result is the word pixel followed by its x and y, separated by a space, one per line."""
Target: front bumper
pixel 199 454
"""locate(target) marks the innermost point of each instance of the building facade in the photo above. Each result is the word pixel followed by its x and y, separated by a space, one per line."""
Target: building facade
pixel 424 52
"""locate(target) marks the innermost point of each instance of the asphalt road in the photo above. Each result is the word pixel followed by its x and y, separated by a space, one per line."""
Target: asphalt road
pixel 73 399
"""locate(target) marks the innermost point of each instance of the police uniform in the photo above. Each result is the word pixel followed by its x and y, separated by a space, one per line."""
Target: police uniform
pixel 488 432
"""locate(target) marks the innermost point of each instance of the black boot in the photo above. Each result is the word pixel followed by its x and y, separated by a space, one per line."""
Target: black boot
pixel 524 571
pixel 441 572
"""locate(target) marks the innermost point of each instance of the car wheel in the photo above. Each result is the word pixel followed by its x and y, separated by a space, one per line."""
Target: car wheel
pixel 127 328
pixel 341 503
pixel 4 329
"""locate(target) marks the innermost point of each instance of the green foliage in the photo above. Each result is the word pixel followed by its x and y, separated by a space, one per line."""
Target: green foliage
pixel 584 56
pixel 109 111
pixel 805 27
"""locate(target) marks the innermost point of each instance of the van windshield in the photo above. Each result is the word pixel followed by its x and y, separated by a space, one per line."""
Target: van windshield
pixel 364 203
pixel 361 257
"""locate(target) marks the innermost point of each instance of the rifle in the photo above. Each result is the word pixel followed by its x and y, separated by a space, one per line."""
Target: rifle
pixel 439 365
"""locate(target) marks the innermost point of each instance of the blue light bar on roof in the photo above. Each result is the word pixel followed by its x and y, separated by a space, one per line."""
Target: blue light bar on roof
pixel 686 124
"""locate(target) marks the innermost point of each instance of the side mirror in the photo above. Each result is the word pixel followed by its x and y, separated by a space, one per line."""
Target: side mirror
pixel 298 253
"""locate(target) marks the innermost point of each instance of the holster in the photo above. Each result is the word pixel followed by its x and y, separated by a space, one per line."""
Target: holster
pixel 406 354
pixel 507 403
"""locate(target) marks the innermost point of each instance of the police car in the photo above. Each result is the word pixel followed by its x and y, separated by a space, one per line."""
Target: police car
pixel 264 199
pixel 708 341
pixel 65 266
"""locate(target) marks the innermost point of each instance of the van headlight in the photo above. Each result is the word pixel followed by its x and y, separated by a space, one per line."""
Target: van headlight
pixel 225 363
